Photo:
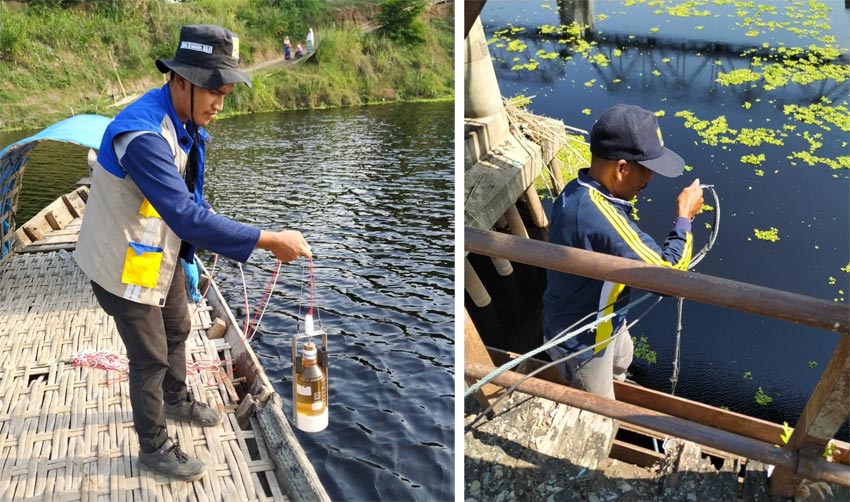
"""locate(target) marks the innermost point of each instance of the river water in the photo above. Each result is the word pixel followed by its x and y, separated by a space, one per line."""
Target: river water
pixel 670 64
pixel 372 190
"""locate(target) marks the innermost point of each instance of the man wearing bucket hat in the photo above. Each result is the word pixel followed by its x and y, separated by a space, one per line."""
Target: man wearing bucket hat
pixel 594 212
pixel 145 215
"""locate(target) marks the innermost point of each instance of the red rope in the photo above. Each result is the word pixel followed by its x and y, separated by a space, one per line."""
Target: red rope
pixel 310 312
pixel 111 361
pixel 253 326
pixel 209 282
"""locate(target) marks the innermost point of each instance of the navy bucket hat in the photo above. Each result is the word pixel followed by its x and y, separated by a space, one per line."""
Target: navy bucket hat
pixel 207 56
pixel 631 133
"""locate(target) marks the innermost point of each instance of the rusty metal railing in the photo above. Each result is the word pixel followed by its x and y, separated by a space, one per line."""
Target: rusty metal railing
pixel 828 405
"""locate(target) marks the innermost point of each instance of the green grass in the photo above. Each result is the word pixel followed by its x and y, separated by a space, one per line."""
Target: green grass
pixel 60 61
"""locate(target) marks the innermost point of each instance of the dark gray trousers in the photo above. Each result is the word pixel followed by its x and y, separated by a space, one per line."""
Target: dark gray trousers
pixel 155 338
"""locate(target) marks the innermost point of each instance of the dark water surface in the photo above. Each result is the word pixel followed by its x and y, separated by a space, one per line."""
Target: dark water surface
pixel 674 67
pixel 372 191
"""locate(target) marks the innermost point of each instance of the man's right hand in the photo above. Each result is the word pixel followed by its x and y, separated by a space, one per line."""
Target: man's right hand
pixel 287 245
pixel 690 200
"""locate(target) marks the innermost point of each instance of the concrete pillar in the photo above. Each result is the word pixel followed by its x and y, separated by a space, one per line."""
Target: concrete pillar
pixel 578 11
pixel 474 286
pixel 482 96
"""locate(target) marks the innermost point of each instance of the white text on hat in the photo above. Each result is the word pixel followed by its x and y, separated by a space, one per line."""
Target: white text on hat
pixel 194 46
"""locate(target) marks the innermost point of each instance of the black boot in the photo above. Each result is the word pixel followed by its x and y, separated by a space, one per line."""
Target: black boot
pixel 169 460
pixel 189 410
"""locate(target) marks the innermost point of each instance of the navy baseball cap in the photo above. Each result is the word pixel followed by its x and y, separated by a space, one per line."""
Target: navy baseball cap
pixel 631 133
pixel 208 56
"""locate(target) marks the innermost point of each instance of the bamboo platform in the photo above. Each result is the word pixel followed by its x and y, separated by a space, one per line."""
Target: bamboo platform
pixel 66 432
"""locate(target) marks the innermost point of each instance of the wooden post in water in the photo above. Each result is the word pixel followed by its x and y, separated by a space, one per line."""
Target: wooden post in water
pixel 824 414
pixel 538 216
pixel 556 175
pixel 474 286
pixel 515 222
pixel 503 266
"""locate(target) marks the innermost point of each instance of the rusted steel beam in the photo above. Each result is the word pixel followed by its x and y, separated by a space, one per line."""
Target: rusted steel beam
pixel 824 414
pixel 476 352
pixel 673 426
pixel 711 416
pixel 707 289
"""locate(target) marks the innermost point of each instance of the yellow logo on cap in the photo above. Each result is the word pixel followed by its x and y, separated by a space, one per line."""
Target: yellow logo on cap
pixel 658 130
pixel 236 50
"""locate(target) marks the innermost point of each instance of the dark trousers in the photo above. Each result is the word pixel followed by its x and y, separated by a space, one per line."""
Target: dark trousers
pixel 155 338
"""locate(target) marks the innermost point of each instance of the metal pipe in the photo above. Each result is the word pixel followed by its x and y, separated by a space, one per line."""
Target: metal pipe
pixel 707 289
pixel 660 422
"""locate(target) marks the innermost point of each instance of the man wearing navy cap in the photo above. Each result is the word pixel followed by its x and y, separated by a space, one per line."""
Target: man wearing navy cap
pixel 145 214
pixel 593 213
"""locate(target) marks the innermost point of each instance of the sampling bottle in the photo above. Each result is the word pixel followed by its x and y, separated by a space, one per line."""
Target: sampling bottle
pixel 311 393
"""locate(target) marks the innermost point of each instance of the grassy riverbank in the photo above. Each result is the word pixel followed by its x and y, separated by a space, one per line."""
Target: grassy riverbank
pixel 58 61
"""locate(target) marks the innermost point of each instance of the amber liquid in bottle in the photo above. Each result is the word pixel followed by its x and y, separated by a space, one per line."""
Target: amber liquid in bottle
pixel 311 393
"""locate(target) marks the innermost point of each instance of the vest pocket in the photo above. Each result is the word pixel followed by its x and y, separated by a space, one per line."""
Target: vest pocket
pixel 141 265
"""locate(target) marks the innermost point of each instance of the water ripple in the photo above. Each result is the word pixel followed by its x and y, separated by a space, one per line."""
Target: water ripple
pixel 372 190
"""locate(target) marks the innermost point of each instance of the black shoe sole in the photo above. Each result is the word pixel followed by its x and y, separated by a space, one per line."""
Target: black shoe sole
pixel 194 477
pixel 193 422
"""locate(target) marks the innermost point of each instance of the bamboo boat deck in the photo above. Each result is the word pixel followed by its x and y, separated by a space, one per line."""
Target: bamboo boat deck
pixel 66 432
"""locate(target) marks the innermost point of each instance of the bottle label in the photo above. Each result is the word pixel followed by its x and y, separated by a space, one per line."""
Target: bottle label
pixel 304 390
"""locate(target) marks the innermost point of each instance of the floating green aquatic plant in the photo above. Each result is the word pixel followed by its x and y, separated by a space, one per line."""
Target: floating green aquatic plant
pixel 757 137
pixel 763 399
pixel 531 65
pixel 821 114
pixel 517 46
pixel 786 432
pixel 642 350
pixel 755 160
pixel 546 55
pixel 771 234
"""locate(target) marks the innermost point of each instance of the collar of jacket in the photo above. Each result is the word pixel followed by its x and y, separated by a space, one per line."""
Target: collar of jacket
pixel 586 181
pixel 183 135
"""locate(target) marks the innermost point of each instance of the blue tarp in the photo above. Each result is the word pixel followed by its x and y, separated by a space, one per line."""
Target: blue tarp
pixel 85 130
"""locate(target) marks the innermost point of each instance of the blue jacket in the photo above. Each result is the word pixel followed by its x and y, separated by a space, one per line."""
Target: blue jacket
pixel 140 209
pixel 587 216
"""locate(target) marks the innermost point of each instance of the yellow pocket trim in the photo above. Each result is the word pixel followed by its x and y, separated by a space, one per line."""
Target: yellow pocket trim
pixel 147 210
pixel 141 265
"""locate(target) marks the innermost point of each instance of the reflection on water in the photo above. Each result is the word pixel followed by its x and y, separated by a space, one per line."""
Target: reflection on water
pixel 372 191
pixel 666 60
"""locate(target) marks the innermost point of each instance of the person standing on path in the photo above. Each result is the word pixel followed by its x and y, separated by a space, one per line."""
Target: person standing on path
pixel 145 215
